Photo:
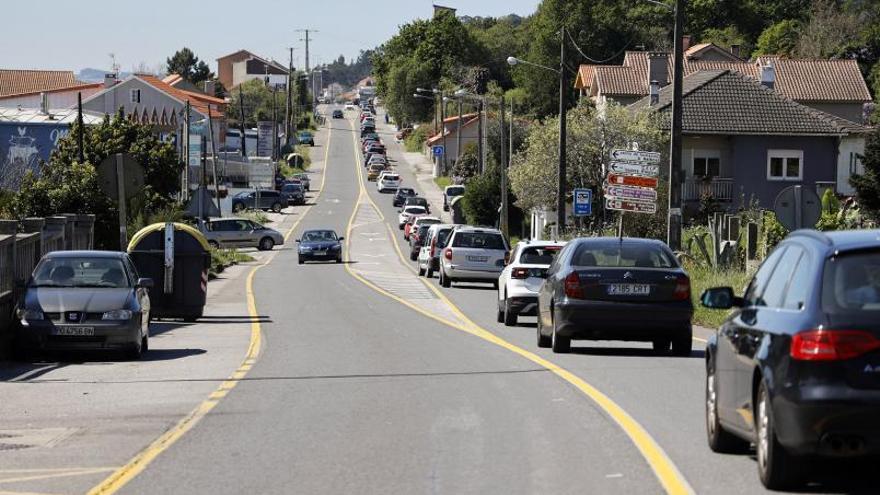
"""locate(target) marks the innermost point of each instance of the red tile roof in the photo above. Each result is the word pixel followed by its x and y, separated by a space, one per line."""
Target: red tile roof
pixel 439 136
pixel 14 82
pixel 76 87
pixel 198 101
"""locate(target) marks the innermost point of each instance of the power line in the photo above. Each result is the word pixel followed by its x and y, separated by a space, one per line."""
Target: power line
pixel 609 59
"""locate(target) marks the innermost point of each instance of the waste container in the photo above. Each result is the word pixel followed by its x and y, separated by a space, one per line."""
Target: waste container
pixel 180 272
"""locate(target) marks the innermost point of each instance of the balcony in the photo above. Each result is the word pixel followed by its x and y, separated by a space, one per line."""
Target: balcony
pixel 717 187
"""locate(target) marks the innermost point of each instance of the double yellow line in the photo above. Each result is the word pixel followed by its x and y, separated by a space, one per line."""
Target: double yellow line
pixel 664 469
pixel 139 462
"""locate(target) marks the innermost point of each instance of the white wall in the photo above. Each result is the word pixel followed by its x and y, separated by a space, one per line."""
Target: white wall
pixel 57 99
pixel 846 160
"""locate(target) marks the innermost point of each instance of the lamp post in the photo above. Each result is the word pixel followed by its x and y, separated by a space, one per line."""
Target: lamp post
pixel 560 168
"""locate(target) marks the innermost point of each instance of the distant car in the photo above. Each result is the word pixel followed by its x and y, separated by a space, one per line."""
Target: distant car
pixel 258 200
pixel 401 195
pixel 450 192
pixel 473 254
pixel 374 170
pixel 522 277
pixel 434 242
pixel 608 288
pixel 337 114
pixel 306 137
pixel 91 300
pixel 416 222
pixel 239 232
pixel 376 158
pixel 408 211
pixel 795 368
pixel 388 181
pixel 320 245
pixel 295 193
pixel 305 180
pixel 418 201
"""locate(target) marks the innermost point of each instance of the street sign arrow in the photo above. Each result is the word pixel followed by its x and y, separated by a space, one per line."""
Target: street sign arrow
pixel 627 168
pixel 631 193
pixel 636 156
pixel 633 206
pixel 632 180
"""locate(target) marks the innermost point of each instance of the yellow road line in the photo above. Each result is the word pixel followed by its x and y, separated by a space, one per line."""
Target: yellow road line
pixel 139 462
pixel 664 469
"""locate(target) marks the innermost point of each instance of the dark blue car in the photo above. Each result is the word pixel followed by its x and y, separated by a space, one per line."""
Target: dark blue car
pixel 320 245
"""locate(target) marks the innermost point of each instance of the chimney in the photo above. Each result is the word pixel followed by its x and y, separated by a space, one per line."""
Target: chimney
pixel 109 80
pixel 768 74
pixel 655 92
pixel 734 50
pixel 44 103
pixel 658 68
pixel 209 88
pixel 686 42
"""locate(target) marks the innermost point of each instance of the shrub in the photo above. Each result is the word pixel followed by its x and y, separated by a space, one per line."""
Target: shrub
pixel 416 139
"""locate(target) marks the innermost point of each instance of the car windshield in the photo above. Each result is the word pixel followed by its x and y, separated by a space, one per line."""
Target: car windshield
pixel 851 283
pixel 319 236
pixel 539 255
pixel 391 177
pixel 455 191
pixel 616 254
pixel 292 188
pixel 80 272
pixel 414 209
pixel 479 240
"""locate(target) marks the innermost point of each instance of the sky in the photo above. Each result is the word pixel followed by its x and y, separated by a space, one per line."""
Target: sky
pixel 76 34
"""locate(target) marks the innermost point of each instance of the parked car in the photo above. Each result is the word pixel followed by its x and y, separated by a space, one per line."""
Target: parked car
pixel 374 170
pixel 268 200
pixel 306 137
pixel 794 368
pixel 305 180
pixel 417 240
pixel 337 114
pixel 409 211
pixel 416 222
pixel 401 195
pixel 435 241
pixel 403 133
pixel 295 194
pixel 473 254
pixel 376 158
pixel 320 245
pixel 450 192
pixel 521 279
pixel 610 288
pixel 85 300
pixel 417 201
pixel 388 181
pixel 239 232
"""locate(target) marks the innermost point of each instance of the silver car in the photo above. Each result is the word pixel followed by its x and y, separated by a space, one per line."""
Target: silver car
pixel 435 241
pixel 473 254
pixel 239 232
pixel 306 181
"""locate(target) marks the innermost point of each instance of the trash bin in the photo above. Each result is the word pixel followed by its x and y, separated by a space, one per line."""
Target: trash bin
pixel 180 290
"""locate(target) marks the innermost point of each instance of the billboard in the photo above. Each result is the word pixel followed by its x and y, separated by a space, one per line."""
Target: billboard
pixel 23 146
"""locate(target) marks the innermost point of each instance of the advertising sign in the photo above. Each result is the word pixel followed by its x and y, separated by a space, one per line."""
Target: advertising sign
pixel 632 180
pixel 633 206
pixel 23 146
pixel 264 138
pixel 631 193
pixel 627 168
pixel 583 202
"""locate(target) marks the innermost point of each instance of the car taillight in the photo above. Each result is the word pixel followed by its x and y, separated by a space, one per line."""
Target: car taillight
pixel 682 290
pixel 433 246
pixel 573 287
pixel 832 345
pixel 447 253
pixel 520 273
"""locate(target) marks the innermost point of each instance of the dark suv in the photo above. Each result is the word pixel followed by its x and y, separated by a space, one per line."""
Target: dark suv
pixel 268 200
pixel 795 367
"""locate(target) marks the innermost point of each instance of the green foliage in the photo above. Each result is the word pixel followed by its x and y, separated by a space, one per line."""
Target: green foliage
pixel 704 277
pixel 772 232
pixel 348 73
pixel 416 139
pixel 830 203
pixel 443 181
pixel 185 63
pixel 867 185
pixel 468 165
pixel 259 99
pixel 779 39
pixel 224 258
pixel 482 197
pixel 728 36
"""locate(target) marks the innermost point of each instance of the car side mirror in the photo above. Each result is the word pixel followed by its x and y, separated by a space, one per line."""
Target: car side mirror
pixel 297 240
pixel 340 238
pixel 507 258
pixel 144 283
pixel 720 298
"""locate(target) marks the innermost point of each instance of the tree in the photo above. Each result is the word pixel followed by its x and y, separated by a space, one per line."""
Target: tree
pixel 185 63
pixel 867 185
pixel 828 32
pixel 482 197
pixel 258 101
pixel 779 39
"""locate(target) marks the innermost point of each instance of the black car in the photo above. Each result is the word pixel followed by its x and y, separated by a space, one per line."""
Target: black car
pixel 417 201
pixel 611 288
pixel 402 194
pixel 264 199
pixel 795 367
pixel 320 245
pixel 85 300
pixel 295 194
pixel 337 114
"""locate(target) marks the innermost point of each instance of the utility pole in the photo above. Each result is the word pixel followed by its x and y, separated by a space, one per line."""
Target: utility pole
pixel 80 130
pixel 274 124
pixel 241 121
pixel 443 130
pixel 480 134
pixel 458 134
pixel 288 115
pixel 503 217
pixel 563 91
pixel 184 181
pixel 673 235
pixel 306 38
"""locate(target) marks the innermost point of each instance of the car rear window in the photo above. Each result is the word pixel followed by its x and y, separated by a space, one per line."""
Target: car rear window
pixel 392 177
pixel 616 254
pixel 539 255
pixel 851 283
pixel 455 191
pixel 414 209
pixel 478 240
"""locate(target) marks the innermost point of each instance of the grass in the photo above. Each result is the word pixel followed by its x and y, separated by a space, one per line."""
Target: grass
pixel 223 258
pixel 443 181
pixel 257 216
pixel 702 278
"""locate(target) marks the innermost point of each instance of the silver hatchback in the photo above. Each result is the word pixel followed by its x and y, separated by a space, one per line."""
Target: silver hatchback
pixel 473 254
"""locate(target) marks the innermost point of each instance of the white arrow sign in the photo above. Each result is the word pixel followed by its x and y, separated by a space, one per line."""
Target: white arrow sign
pixel 636 156
pixel 631 193
pixel 626 168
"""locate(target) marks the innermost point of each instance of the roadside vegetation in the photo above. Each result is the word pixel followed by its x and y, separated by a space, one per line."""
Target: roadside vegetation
pixel 416 139
pixel 221 259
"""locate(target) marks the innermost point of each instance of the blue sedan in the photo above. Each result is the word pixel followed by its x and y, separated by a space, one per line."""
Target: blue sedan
pixel 320 245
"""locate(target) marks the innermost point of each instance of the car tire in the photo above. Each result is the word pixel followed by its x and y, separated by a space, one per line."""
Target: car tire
pixel 510 315
pixel 682 344
pixel 421 271
pixel 499 313
pixel 777 469
pixel 495 284
pixel 237 207
pixel 720 440
pixel 413 256
pixel 135 352
pixel 429 272
pixel 543 340
pixel 300 260
pixel 400 226
pixel 276 207
pixel 444 280
pixel 214 244
pixel 661 346
pixel 558 343
pixel 266 244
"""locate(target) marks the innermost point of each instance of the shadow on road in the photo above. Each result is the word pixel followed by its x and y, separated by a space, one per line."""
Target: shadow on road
pixel 169 354
pixel 628 352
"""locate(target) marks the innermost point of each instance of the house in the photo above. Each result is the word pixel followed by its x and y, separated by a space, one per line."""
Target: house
pixel 42 89
pixel 831 86
pixel 741 137
pixel 177 81
pixel 242 66
pixel 456 130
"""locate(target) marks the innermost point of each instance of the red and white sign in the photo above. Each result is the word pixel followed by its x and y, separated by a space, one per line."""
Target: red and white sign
pixel 627 205
pixel 632 180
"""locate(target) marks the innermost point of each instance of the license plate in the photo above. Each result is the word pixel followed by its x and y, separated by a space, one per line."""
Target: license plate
pixel 479 259
pixel 320 253
pixel 629 289
pixel 78 331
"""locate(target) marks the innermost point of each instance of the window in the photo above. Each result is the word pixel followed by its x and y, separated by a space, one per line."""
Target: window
pixel 855 163
pixel 799 287
pixel 775 291
pixel 616 254
pixel 785 165
pixel 756 287
pixel 135 96
pixel 706 163
pixel 851 285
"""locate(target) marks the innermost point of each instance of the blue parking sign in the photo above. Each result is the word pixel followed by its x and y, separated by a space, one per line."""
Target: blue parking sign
pixel 583 202
pixel 437 150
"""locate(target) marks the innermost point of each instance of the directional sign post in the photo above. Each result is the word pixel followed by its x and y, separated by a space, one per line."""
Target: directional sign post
pixel 633 206
pixel 636 156
pixel 631 184
pixel 632 180
pixel 632 193
pixel 628 168
pixel 583 202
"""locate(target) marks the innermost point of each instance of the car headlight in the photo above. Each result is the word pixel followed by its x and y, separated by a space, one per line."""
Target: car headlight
pixel 305 248
pixel 336 247
pixel 26 314
pixel 117 314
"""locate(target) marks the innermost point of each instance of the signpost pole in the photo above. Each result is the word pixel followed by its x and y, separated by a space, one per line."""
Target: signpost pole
pixel 620 226
pixel 673 235
pixel 123 215
pixel 563 91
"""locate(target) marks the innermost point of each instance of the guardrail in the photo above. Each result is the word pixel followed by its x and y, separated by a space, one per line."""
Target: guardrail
pixel 22 244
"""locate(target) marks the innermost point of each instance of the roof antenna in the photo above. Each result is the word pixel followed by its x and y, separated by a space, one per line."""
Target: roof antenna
pixel 114 67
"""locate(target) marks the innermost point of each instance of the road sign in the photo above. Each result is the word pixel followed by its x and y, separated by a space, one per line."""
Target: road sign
pixel 631 193
pixel 132 176
pixel 583 202
pixel 437 150
pixel 636 156
pixel 633 206
pixel 797 207
pixel 628 168
pixel 632 180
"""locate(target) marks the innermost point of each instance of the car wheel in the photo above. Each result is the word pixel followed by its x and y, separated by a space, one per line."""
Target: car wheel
pixel 339 259
pixel 499 313
pixel 400 226
pixel 444 280
pixel 266 244
pixel 413 256
pixel 682 343
pixel 720 440
pixel 777 468
pixel 543 340
pixel 510 315
pixel 214 244
pixel 429 272
pixel 276 207
pixel 237 207
pixel 559 343
pixel 300 260
pixel 421 271
pixel 661 346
